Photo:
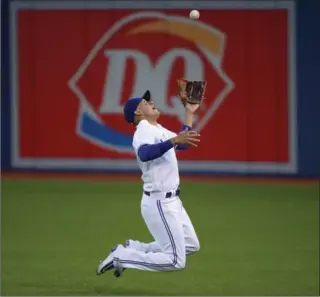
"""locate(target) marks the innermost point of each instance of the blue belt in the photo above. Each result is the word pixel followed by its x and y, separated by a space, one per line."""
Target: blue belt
pixel 168 194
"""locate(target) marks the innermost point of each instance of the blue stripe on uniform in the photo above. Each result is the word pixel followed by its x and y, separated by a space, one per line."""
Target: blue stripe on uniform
pixel 174 248
pixel 175 256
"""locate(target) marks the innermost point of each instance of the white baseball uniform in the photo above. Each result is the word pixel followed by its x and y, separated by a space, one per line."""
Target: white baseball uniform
pixel 166 218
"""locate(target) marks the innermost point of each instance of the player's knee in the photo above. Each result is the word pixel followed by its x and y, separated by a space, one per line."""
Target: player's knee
pixel 193 248
pixel 196 246
pixel 180 262
pixel 180 265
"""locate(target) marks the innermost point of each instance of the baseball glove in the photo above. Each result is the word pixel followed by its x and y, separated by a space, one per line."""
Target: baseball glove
pixel 191 92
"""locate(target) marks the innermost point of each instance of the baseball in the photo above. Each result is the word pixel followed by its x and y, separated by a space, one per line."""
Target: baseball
pixel 194 14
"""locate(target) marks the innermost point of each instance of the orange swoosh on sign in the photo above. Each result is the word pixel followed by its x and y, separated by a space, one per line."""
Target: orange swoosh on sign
pixel 191 32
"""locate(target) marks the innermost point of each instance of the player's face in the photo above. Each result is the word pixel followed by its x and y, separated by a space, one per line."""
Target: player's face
pixel 148 109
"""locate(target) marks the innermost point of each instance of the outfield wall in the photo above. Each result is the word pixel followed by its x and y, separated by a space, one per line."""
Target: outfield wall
pixel 68 67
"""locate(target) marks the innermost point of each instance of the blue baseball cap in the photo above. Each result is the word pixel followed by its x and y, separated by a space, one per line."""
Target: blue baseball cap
pixel 131 106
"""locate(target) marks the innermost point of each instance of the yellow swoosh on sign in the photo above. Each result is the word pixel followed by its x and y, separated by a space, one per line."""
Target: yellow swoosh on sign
pixel 191 32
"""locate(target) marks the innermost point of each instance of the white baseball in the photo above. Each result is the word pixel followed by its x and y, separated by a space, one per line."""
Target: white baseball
pixel 194 14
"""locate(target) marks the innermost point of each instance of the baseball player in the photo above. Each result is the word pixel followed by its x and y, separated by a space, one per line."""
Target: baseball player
pixel 161 207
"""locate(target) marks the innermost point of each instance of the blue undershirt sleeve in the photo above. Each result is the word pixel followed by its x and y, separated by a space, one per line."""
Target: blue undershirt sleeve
pixel 148 152
pixel 183 147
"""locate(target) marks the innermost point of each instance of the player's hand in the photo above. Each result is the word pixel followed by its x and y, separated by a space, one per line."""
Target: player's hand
pixel 186 137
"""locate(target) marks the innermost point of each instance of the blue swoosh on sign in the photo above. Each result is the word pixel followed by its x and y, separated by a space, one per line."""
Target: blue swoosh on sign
pixel 104 133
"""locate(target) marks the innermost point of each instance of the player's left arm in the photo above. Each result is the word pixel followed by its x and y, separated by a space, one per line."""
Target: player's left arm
pixel 190 109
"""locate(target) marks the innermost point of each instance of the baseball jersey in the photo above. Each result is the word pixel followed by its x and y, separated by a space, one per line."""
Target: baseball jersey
pixel 161 174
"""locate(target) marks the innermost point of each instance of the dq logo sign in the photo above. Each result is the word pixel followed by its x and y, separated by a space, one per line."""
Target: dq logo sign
pixel 100 60
pixel 147 51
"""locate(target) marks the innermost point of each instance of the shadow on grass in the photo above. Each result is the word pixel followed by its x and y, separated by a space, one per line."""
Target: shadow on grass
pixel 122 291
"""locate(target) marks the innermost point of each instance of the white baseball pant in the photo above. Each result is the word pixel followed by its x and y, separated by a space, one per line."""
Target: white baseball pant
pixel 174 234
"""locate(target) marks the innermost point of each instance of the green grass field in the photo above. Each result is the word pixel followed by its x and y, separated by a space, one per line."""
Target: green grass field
pixel 256 239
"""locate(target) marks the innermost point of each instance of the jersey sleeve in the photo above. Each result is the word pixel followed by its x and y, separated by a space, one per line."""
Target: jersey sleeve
pixel 172 134
pixel 169 133
pixel 141 137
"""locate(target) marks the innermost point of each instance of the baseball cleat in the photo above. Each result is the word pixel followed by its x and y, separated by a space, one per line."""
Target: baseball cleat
pixel 107 263
pixel 118 268
pixel 118 272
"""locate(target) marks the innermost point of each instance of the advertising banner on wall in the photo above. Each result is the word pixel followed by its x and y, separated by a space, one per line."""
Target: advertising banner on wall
pixel 74 64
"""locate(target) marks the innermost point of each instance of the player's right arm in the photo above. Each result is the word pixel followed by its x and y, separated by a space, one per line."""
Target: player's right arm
pixel 145 146
pixel 147 150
